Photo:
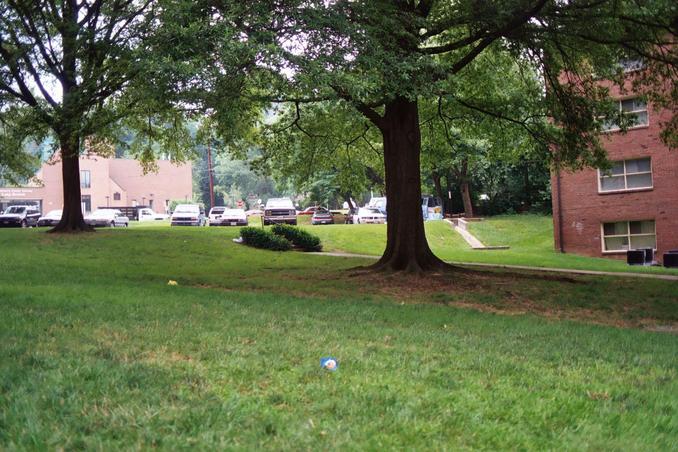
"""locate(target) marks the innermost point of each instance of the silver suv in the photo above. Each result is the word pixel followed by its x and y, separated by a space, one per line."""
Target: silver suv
pixel 20 217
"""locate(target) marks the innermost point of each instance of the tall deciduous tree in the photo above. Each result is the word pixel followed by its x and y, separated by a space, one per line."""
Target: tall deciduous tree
pixel 382 56
pixel 322 144
pixel 66 65
pixel 463 132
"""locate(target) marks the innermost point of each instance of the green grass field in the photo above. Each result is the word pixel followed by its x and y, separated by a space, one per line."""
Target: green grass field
pixel 99 352
pixel 530 238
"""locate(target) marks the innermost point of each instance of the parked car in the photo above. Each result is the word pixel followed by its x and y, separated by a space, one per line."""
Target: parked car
pixel 280 210
pixel 147 214
pixel 214 216
pixel 309 210
pixel 51 219
pixel 222 216
pixel 20 217
pixel 370 215
pixel 107 217
pixel 188 215
pixel 378 203
pixel 431 207
pixel 322 216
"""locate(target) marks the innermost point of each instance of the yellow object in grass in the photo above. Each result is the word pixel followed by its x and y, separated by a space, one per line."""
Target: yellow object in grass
pixel 172 282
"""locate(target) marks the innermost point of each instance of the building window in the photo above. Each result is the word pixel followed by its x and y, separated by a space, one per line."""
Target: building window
pixel 629 235
pixel 86 203
pixel 626 175
pixel 116 196
pixel 85 181
pixel 635 109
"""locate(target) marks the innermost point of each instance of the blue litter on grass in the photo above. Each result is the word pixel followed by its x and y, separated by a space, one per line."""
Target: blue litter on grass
pixel 329 363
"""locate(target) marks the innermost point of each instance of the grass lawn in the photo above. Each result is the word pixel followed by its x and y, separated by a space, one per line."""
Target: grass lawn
pixel 530 238
pixel 99 352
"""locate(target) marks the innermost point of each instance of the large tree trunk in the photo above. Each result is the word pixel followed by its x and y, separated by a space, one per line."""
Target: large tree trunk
pixel 71 219
pixel 466 198
pixel 465 187
pixel 349 201
pixel 406 246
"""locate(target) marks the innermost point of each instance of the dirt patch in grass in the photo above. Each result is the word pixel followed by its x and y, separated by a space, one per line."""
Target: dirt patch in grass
pixel 600 300
pixel 615 301
pixel 164 356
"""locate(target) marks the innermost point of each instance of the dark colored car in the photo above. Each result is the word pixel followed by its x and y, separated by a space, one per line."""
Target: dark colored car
pixel 322 216
pixel 20 217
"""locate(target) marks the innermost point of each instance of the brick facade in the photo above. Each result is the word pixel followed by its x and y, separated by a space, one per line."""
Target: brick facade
pixel 579 210
pixel 113 183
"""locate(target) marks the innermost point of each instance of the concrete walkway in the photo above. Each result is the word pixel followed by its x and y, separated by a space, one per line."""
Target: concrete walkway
pixel 461 226
pixel 525 267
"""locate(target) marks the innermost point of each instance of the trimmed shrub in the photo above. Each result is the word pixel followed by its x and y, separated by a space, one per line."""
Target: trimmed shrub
pixel 261 238
pixel 299 238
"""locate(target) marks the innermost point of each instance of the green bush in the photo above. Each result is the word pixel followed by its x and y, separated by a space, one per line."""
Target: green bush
pixel 261 238
pixel 299 238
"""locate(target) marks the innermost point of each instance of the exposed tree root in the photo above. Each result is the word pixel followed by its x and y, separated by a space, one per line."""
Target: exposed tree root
pixel 65 228
pixel 420 267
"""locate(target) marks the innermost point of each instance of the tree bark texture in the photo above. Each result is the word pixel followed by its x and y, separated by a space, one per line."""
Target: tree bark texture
pixel 437 183
pixel 72 219
pixel 349 201
pixel 465 187
pixel 406 246
pixel 466 198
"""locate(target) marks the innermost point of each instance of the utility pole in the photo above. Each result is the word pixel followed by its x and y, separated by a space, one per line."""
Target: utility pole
pixel 209 173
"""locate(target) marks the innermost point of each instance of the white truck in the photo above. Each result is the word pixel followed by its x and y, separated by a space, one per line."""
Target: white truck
pixel 280 210
pixel 378 203
pixel 147 214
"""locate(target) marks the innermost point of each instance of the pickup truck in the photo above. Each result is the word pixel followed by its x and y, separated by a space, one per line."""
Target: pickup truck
pixel 280 210
pixel 147 214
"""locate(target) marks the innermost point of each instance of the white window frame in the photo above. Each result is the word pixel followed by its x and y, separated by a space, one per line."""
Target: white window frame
pixel 628 235
pixel 625 174
pixel 616 127
pixel 85 176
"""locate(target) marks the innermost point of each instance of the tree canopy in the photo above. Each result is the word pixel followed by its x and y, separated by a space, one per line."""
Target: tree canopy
pixel 382 57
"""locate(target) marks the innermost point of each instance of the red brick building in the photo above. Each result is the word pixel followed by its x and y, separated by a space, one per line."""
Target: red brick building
pixel 107 182
pixel 633 205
